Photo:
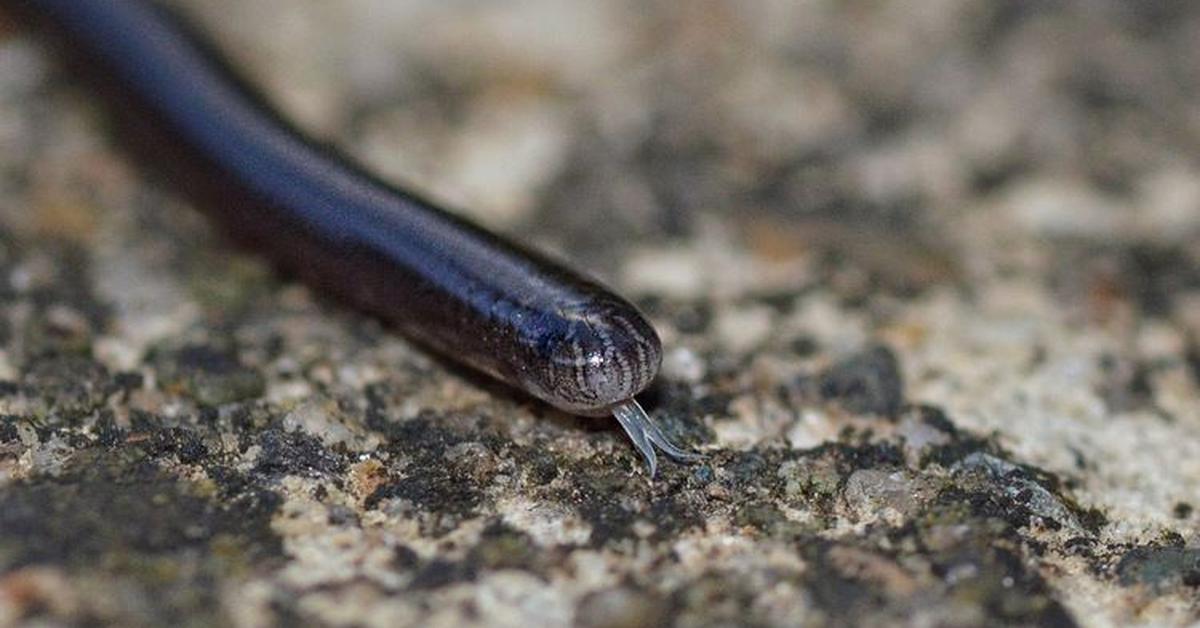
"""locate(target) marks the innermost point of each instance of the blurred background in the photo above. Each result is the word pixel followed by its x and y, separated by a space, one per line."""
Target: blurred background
pixel 1070 120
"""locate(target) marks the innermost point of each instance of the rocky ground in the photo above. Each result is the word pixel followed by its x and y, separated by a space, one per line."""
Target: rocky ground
pixel 927 274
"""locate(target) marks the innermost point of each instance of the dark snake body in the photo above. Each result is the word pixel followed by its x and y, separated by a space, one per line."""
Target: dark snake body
pixel 463 292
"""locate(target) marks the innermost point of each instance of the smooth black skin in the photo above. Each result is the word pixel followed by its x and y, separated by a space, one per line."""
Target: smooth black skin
pixel 452 286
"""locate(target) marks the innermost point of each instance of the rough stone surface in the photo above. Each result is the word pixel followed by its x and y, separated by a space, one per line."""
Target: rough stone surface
pixel 927 274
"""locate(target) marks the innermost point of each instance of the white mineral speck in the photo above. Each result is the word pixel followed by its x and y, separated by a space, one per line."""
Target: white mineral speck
pixel 683 364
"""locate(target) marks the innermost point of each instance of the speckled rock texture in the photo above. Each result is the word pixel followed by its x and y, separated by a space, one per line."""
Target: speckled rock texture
pixel 927 275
